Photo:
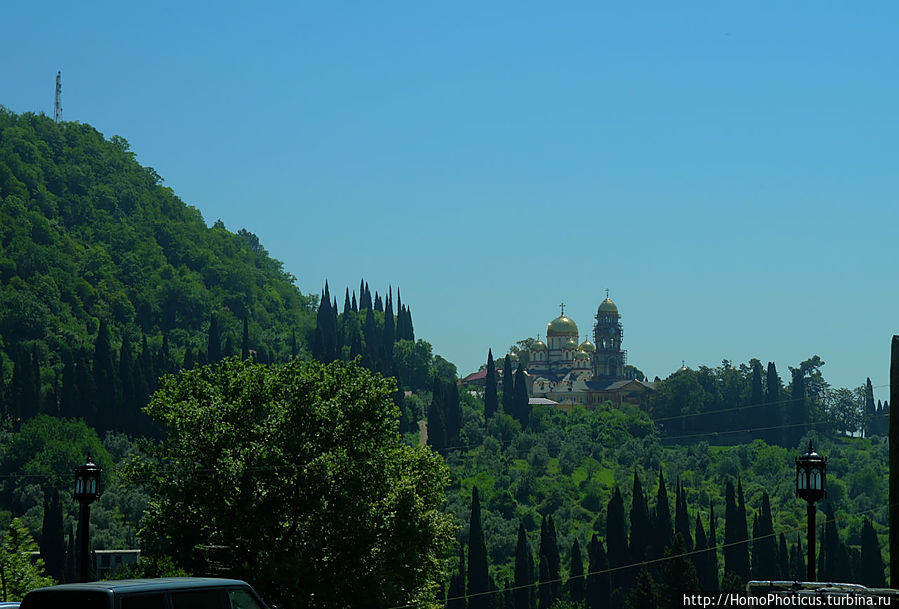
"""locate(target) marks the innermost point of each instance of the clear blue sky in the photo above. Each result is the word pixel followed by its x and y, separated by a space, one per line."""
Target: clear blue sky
pixel 728 170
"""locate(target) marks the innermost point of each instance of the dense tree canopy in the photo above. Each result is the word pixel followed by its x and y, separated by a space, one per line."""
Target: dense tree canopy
pixel 87 235
pixel 298 474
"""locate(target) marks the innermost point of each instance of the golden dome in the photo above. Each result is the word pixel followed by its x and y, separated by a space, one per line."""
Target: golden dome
pixel 608 307
pixel 538 346
pixel 561 326
pixel 587 347
pixel 570 344
pixel 581 355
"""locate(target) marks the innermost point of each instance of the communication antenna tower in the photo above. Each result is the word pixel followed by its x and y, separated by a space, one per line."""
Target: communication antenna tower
pixel 57 108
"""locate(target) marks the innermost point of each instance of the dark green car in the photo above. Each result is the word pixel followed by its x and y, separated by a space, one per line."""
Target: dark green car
pixel 162 593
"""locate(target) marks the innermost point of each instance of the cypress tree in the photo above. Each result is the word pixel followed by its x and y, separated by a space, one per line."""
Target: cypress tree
pixel 555 560
pixel 773 407
pixel 84 383
pixel 799 410
pixel 645 594
pixel 245 341
pixel 871 572
pixel 372 349
pixel 214 341
pixel 26 384
pixel 379 304
pixel 491 403
pixel 332 336
pixel 389 329
pixel 367 301
pixel 757 396
pixel 713 547
pixel 410 328
pixel 764 545
pixel 730 530
pixel 678 575
pixel 126 413
pixel 742 554
pixel 523 594
pixel 437 433
pixel 870 410
pixel 188 358
pixel 598 582
pixel 347 307
pixel 147 369
pixel 616 540
pixel 783 559
pixel 452 410
pixel 71 569
pixel 834 555
pixel 576 583
pixel 354 304
pixel 662 527
pixel 520 398
pixel 508 387
pixel 69 402
pixel 36 382
pixel 104 378
pixel 53 545
pixel 681 517
pixel 798 571
pixel 641 534
pixel 701 560
pixel 456 593
pixel 478 577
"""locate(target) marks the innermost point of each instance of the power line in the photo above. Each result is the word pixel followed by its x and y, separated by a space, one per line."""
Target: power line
pixel 652 561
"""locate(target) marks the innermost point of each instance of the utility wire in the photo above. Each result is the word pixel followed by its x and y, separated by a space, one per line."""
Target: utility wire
pixel 652 561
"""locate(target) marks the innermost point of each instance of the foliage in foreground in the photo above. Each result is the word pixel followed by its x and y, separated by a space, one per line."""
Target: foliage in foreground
pixel 296 477
pixel 20 574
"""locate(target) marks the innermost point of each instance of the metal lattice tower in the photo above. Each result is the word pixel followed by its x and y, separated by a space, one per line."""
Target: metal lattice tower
pixel 57 107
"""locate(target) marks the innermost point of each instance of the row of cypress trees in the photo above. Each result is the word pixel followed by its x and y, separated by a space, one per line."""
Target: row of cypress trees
pixel 107 386
pixel 515 391
pixel 366 328
pixel 656 559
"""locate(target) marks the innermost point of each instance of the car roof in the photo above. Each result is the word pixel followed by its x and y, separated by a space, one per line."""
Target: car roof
pixel 142 585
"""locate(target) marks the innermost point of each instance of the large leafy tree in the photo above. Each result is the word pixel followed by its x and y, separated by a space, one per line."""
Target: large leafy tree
pixel 298 478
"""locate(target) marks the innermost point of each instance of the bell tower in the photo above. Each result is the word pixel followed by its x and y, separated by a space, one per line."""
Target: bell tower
pixel 609 358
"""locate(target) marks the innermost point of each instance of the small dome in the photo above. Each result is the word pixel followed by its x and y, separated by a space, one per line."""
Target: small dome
pixel 581 355
pixel 561 325
pixel 587 346
pixel 513 357
pixel 538 346
pixel 570 344
pixel 607 306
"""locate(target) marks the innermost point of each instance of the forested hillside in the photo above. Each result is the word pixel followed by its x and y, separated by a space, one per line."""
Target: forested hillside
pixel 108 279
pixel 546 497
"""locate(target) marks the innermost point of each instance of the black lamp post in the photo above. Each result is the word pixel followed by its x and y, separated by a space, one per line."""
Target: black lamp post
pixel 811 485
pixel 87 490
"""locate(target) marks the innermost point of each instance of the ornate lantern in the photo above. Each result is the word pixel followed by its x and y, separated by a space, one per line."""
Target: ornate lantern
pixel 87 482
pixel 811 485
pixel 811 476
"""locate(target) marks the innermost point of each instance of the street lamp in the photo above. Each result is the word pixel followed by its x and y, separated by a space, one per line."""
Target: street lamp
pixel 87 490
pixel 811 485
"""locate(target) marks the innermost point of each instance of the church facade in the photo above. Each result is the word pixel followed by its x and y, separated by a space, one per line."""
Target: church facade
pixel 587 373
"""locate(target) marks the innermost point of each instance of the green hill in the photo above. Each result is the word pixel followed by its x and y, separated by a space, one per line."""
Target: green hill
pixel 88 235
